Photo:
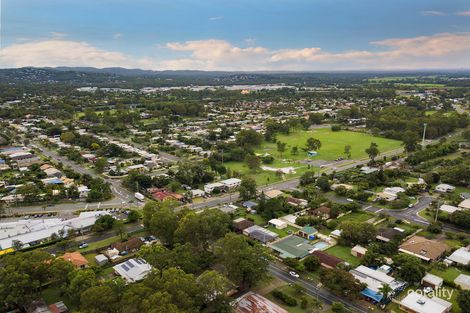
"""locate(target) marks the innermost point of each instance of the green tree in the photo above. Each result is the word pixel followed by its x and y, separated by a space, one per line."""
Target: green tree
pixel 385 290
pixel 409 268
pixel 410 141
pixel 463 299
pixel 79 282
pixel 311 263
pixel 100 164
pixel 247 188
pixel 341 283
pixel 323 183
pixel 99 299
pixel 313 144
pixel 294 150
pixel 281 147
pixel 245 264
pixel 252 161
pixel 214 287
pixel 347 151
pixel 354 233
pixel 120 229
pixel 373 151
pixel 308 178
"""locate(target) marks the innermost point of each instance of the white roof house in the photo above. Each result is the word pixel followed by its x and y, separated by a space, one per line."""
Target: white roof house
pixel 445 188
pixel 448 208
pixel 231 182
pixel 210 187
pixel 460 256
pixel 463 281
pixel 277 223
pixel 415 302
pixel 465 204
pixel 133 270
pixel 433 280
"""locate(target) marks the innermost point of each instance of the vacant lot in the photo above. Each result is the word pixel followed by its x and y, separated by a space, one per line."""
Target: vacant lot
pixel 333 144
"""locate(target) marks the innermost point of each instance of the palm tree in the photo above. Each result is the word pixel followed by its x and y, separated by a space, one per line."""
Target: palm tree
pixel 385 290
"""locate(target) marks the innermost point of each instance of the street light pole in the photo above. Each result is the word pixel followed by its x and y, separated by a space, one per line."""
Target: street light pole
pixel 424 135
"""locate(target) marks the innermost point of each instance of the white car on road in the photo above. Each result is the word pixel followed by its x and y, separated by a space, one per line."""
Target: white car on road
pixel 294 274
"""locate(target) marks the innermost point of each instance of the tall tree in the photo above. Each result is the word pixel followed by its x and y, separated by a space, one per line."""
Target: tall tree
pixel 347 151
pixel 313 144
pixel 247 188
pixel 373 151
pixel 244 264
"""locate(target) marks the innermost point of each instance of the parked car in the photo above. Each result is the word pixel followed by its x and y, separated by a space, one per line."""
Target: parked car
pixel 82 245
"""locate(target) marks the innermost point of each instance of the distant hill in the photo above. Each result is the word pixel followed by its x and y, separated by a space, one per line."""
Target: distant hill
pixel 137 78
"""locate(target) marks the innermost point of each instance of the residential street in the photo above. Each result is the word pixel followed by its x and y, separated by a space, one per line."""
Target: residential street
pixel 314 290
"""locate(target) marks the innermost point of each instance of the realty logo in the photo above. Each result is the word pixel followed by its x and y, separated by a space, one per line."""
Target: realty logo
pixel 442 293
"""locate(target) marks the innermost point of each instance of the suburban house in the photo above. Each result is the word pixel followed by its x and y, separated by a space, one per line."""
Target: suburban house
pixel 463 281
pixel 241 224
pixel 271 194
pixel 465 204
pixel 433 281
pixel 133 270
pixel 322 212
pixel 255 303
pixel 388 234
pixel 231 183
pixel 209 188
pixel 390 193
pixel 358 251
pixel 425 249
pixel 460 256
pixel 278 224
pixel 307 232
pixel 101 259
pixel 448 208
pixel 375 279
pixel 76 258
pixel 131 245
pixel 261 234
pixel 444 188
pixel 418 303
pixel 327 260
pixel 302 203
pixel 292 247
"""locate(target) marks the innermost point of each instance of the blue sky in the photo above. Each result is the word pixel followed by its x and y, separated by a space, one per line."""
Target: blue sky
pixel 237 34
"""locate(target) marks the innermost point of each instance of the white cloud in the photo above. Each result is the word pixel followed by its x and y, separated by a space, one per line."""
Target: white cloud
pixel 215 18
pixel 117 35
pixel 433 13
pixel 463 13
pixel 444 50
pixel 55 52
pixel 58 35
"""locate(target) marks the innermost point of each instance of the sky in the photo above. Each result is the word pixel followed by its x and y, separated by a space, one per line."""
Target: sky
pixel 241 35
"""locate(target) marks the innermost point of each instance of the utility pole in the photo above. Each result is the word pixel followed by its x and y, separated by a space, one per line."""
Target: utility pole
pixel 424 135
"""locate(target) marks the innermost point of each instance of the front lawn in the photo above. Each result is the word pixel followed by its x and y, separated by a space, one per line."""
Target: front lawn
pixel 344 253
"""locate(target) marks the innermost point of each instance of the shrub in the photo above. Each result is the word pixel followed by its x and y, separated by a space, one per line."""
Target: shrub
pixel 290 301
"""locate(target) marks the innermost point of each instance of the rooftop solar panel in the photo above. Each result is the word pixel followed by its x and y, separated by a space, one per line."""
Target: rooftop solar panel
pixel 129 263
pixel 124 267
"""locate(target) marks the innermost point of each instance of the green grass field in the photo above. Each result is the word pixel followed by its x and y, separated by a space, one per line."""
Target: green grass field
pixel 333 144
pixel 344 253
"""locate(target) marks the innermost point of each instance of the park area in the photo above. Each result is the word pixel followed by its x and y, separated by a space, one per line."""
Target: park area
pixel 332 147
